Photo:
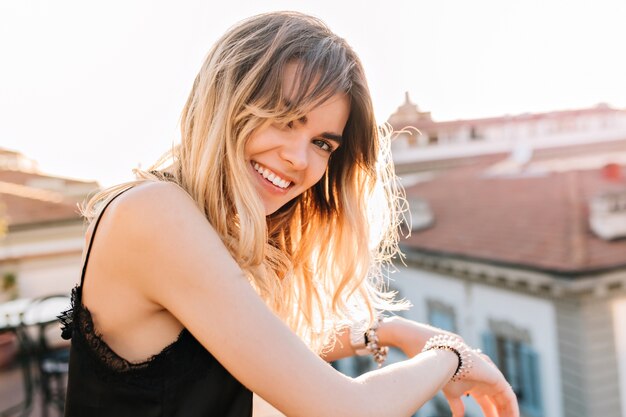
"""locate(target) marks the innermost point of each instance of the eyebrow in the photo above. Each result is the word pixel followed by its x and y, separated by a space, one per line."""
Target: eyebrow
pixel 332 136
pixel 326 135
pixel 338 139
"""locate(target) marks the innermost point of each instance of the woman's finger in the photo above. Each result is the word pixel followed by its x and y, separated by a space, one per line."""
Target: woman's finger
pixel 489 409
pixel 506 402
pixel 456 405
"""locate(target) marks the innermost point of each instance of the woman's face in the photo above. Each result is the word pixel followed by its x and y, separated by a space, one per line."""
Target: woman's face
pixel 286 160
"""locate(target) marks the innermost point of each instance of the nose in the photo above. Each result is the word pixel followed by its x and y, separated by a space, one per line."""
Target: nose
pixel 295 152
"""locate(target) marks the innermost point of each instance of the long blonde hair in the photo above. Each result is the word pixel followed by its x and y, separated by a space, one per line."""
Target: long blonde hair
pixel 317 262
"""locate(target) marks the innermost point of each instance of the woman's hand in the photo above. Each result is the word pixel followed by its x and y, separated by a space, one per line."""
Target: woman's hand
pixel 485 382
pixel 487 385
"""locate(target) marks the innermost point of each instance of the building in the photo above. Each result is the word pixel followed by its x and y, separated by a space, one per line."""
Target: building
pixel 40 249
pixel 421 138
pixel 526 258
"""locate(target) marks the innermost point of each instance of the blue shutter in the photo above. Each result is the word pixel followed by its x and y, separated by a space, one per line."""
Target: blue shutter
pixel 442 320
pixel 490 348
pixel 530 402
pixel 511 364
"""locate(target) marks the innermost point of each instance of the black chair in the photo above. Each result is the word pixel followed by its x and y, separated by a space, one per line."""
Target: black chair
pixel 49 352
pixel 25 361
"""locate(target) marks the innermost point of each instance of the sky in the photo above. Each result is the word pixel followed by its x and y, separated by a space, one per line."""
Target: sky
pixel 92 89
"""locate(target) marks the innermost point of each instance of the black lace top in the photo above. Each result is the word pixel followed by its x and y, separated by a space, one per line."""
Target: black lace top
pixel 183 380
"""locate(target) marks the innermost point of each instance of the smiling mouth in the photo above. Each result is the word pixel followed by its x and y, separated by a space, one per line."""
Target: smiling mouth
pixel 270 176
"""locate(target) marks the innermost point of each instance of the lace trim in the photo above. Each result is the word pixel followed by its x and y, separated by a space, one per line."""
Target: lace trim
pixel 78 325
pixel 67 317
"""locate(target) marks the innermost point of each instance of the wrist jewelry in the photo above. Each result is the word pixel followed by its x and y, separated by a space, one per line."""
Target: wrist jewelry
pixel 366 343
pixel 453 344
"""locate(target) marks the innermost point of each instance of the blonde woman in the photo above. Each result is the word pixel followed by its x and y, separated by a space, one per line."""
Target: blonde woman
pixel 247 258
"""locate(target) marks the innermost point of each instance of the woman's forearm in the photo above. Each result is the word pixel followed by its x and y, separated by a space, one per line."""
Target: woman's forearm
pixel 402 388
pixel 406 335
pixel 409 336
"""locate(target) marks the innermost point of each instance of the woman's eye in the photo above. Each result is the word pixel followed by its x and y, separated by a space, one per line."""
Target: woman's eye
pixel 289 125
pixel 323 145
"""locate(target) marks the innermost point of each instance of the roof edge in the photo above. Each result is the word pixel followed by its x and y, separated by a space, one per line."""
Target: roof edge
pixel 566 274
pixel 536 282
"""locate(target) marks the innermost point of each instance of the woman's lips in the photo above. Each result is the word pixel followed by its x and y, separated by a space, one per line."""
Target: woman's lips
pixel 271 177
pixel 269 185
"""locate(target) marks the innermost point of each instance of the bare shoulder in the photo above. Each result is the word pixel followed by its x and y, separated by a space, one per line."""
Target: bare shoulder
pixel 153 213
pixel 152 201
pixel 149 229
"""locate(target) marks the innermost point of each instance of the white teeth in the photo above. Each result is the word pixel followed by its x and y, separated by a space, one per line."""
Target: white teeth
pixel 271 177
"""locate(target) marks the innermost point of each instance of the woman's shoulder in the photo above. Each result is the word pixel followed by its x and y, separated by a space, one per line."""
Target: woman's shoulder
pixel 152 197
pixel 150 227
pixel 148 205
pixel 149 215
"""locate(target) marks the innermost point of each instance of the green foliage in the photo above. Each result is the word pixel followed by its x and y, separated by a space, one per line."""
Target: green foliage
pixel 8 285
pixel 9 281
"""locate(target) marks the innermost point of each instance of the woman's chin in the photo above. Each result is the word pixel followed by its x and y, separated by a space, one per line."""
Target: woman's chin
pixel 269 210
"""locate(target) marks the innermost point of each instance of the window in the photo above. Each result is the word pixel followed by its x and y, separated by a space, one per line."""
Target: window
pixel 519 363
pixel 441 315
pixel 475 133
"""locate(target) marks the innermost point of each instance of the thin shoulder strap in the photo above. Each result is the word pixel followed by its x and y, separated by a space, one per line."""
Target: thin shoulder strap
pixel 93 234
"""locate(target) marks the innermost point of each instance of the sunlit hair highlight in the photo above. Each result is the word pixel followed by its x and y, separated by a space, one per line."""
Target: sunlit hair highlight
pixel 318 261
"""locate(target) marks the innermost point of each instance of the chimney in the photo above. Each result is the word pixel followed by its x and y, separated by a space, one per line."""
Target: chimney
pixel 612 172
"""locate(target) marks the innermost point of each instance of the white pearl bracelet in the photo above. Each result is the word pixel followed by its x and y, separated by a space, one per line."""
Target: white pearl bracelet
pixel 453 344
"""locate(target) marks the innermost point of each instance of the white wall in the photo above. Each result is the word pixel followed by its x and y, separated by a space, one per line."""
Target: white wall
pixel 50 275
pixel 46 260
pixel 619 323
pixel 536 315
pixel 475 304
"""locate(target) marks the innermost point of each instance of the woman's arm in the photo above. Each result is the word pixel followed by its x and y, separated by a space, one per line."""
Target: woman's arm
pixel 407 335
pixel 179 262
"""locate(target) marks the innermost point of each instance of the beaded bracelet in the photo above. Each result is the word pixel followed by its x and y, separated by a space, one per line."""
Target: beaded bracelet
pixel 453 344
pixel 366 343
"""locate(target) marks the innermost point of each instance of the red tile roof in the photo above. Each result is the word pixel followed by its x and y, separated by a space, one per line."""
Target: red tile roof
pixel 537 222
pixel 24 199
